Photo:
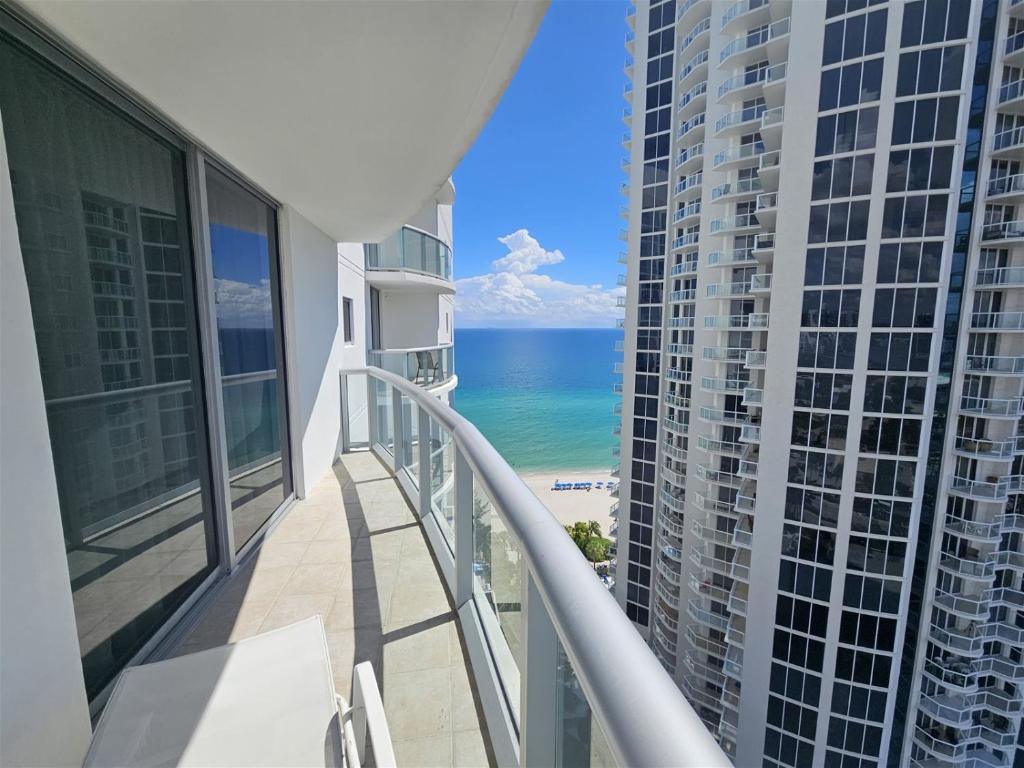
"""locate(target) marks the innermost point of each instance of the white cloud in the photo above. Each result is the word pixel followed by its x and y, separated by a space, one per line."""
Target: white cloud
pixel 514 295
pixel 243 305
pixel 525 254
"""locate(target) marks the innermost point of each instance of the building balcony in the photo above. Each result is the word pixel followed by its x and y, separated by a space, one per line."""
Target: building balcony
pixel 756 358
pixel 995 489
pixel 409 259
pixel 687 213
pixel 764 248
pixel 990 450
pixel 674 501
pixel 742 86
pixel 997 321
pixel 721 416
pixel 675 426
pixel 1011 97
pixel 738 257
pixel 992 407
pixel 740 154
pixel 690 157
pixel 693 183
pixel 692 128
pixel 693 100
pixel 686 350
pixel 995 365
pixel 686 321
pixel 750 47
pixel 774 89
pixel 767 208
pixel 734 190
pixel 738 121
pixel 1007 142
pixel 679 374
pixel 771 128
pixel 769 165
pixel 429 367
pixel 710 444
pixel 754 321
pixel 719 384
pixel 746 13
pixel 1006 232
pixel 439 567
pixel 729 290
pixel 725 354
pixel 697 35
pixel 695 68
pixel 688 267
pixel 686 242
pixel 761 283
pixel 999 278
pixel 1006 189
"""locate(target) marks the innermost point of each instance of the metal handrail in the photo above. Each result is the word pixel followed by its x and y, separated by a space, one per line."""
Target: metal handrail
pixel 642 713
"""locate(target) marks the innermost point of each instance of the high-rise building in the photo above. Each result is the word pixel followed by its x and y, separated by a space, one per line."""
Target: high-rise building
pixel 819 529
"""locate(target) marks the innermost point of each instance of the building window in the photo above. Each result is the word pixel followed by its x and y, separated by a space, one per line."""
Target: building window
pixel 346 318
pixel 118 353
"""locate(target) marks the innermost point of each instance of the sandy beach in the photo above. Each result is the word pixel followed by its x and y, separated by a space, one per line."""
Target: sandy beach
pixel 574 506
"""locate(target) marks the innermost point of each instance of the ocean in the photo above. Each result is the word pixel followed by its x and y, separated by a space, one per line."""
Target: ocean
pixel 543 397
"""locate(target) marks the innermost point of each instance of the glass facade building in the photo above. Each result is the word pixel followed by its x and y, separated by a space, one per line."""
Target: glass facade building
pixel 836 562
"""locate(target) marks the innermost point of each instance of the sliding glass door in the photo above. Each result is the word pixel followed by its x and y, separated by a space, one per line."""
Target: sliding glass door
pixel 104 231
pixel 243 246
pixel 124 307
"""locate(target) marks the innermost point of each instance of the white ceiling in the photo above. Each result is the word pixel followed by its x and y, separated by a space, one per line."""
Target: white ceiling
pixel 354 113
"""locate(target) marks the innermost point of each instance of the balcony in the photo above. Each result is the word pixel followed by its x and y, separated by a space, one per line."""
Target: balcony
pixel 997 321
pixel 407 258
pixel 1011 97
pixel 693 98
pixel 1008 232
pixel 431 560
pixel 737 155
pixel 698 65
pixel 738 121
pixel 738 257
pixel 998 278
pixel 686 212
pixel 736 189
pixel 687 294
pixel 1007 141
pixel 995 365
pixel 992 407
pixel 429 367
pixel 751 12
pixel 751 46
pixel 1006 188
pixel 769 165
pixel 689 157
pixel 691 125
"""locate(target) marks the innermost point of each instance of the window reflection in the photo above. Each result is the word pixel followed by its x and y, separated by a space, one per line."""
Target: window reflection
pixel 243 246
pixel 103 228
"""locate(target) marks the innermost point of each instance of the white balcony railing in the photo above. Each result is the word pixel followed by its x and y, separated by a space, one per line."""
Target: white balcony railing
pixel 528 601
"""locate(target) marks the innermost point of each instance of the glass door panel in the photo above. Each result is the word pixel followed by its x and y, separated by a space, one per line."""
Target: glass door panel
pixel 104 232
pixel 243 244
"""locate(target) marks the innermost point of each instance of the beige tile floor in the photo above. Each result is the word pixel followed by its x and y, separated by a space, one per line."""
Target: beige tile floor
pixel 353 552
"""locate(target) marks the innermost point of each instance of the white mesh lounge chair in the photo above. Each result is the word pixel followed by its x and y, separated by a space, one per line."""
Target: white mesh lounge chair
pixel 265 701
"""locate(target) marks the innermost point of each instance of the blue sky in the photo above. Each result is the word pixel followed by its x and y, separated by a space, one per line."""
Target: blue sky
pixel 544 177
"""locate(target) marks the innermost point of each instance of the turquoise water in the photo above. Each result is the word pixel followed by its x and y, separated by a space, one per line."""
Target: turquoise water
pixel 542 397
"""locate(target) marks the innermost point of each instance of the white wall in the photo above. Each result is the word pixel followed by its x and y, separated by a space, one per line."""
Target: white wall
pixel 405 318
pixel 45 718
pixel 446 319
pixel 352 285
pixel 314 342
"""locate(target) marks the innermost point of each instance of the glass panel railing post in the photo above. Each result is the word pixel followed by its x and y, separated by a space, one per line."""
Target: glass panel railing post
pixel 463 530
pixel 426 466
pixel 538 730
pixel 396 427
pixel 371 408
